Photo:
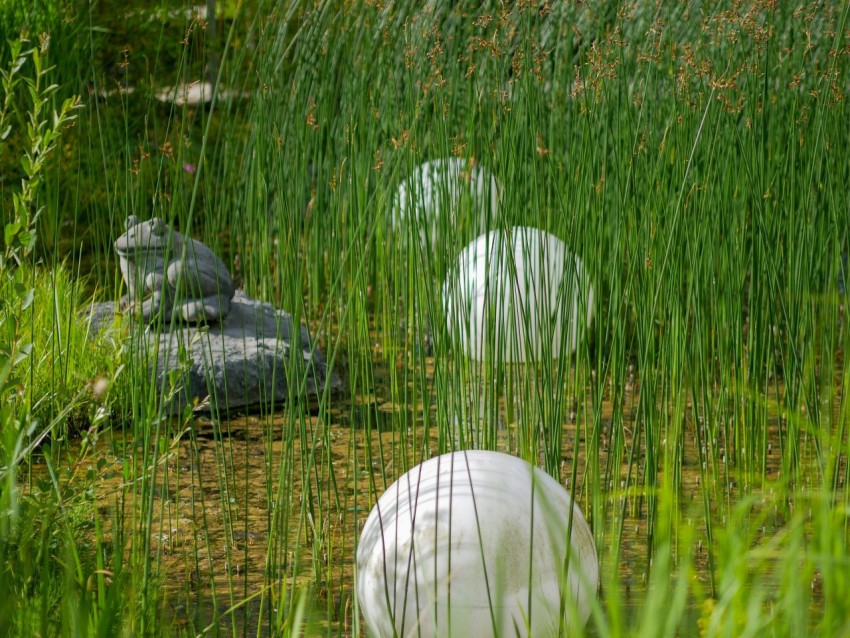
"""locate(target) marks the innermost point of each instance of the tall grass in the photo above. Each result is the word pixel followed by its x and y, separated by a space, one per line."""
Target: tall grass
pixel 693 156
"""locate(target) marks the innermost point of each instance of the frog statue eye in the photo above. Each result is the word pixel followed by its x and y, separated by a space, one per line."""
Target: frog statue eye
pixel 131 221
pixel 157 226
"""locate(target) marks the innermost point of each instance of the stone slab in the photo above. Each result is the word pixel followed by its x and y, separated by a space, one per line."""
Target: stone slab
pixel 240 364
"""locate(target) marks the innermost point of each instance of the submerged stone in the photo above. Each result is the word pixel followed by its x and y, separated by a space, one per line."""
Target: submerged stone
pixel 242 363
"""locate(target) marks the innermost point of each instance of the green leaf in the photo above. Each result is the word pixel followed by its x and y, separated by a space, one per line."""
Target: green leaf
pixel 23 352
pixel 6 386
pixel 19 62
pixel 27 240
pixel 10 232
pixel 5 133
pixel 27 298
pixel 71 103
pixel 11 328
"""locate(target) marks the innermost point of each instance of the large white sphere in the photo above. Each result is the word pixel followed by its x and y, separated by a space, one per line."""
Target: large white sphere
pixel 442 188
pixel 526 285
pixel 474 544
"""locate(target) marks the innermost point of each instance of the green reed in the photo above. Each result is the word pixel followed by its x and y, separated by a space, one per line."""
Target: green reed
pixel 693 157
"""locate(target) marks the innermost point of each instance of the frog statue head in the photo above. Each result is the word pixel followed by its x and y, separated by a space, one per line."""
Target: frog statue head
pixel 161 269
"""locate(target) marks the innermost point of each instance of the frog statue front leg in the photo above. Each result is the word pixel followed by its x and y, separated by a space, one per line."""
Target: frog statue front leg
pixel 151 298
pixel 158 297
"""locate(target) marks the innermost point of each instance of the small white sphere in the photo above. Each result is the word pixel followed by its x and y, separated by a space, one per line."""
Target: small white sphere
pixel 474 544
pixel 528 286
pixel 441 188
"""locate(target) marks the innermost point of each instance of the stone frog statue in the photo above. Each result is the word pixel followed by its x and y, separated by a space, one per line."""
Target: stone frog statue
pixel 162 268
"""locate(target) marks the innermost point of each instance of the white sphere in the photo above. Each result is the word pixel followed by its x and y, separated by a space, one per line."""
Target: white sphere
pixel 528 286
pixel 474 544
pixel 444 187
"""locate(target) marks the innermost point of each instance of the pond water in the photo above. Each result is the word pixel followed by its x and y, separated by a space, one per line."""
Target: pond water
pixel 251 507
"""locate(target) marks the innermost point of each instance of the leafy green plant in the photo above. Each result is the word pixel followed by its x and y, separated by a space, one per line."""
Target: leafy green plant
pixel 43 130
pixel 46 363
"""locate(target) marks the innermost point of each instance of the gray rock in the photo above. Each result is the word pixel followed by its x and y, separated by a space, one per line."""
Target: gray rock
pixel 98 317
pixel 163 269
pixel 240 364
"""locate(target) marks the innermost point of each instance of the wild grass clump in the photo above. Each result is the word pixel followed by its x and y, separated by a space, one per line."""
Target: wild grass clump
pixel 53 554
pixel 52 384
pixel 72 364
pixel 49 355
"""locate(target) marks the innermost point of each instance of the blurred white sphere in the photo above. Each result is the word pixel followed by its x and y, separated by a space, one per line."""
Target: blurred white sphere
pixel 474 544
pixel 444 188
pixel 193 93
pixel 525 284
